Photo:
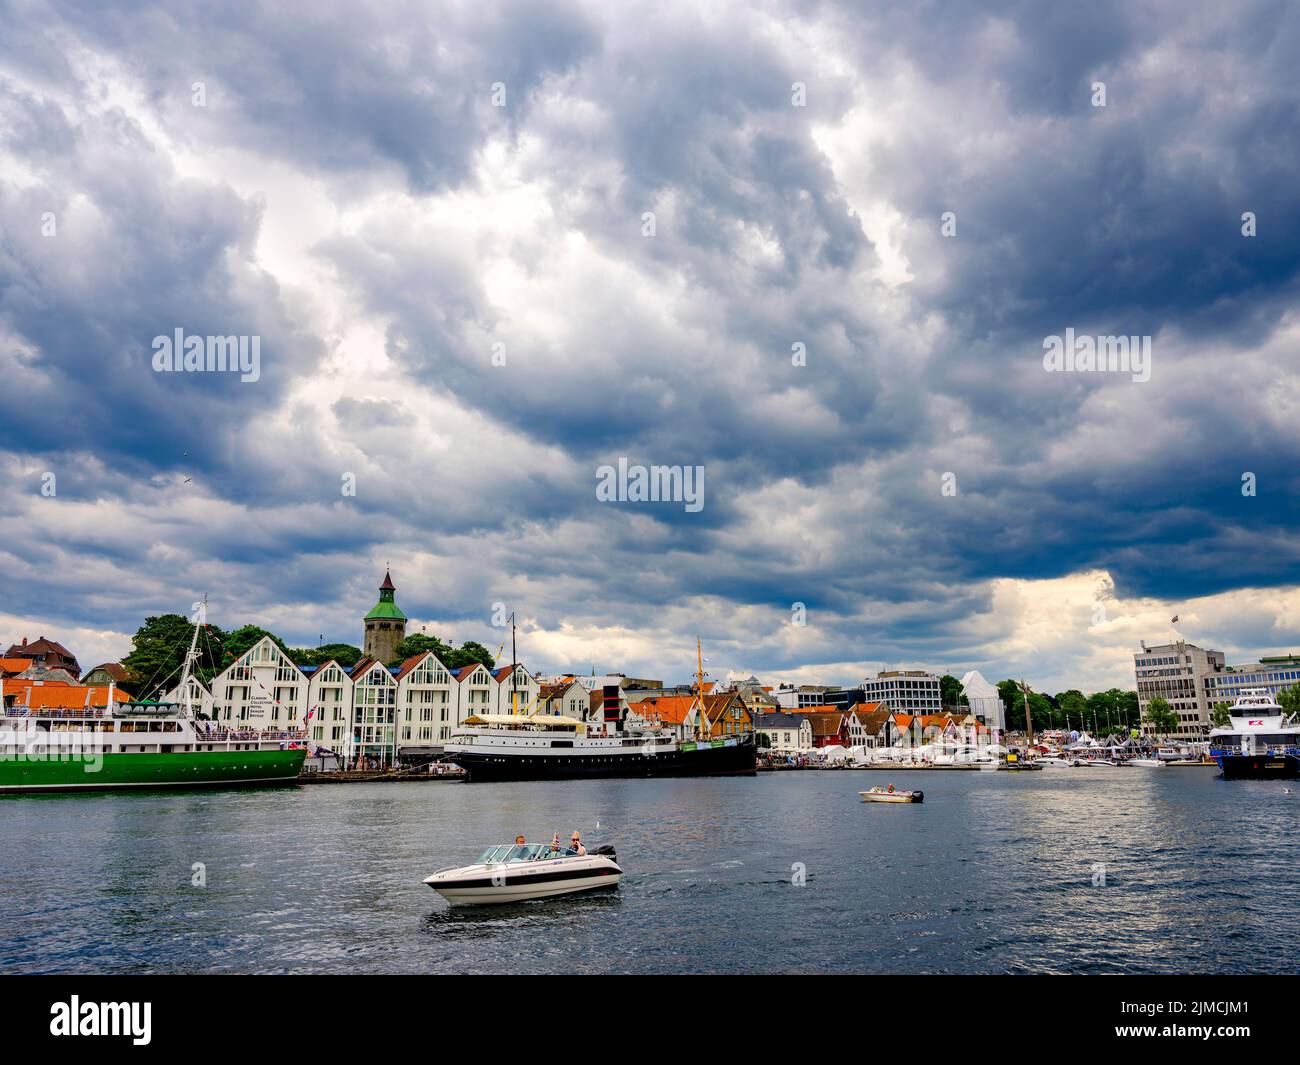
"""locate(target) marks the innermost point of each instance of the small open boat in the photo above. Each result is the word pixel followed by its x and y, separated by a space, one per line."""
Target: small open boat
pixel 519 872
pixel 891 794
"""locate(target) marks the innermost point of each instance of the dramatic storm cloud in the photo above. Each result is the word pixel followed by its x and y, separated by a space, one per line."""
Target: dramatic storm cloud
pixel 814 249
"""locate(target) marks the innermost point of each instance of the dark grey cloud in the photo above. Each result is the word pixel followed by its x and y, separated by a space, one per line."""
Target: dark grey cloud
pixel 458 225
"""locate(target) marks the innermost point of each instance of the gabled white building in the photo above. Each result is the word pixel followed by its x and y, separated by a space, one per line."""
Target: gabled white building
pixel 329 703
pixel 521 692
pixel 374 711
pixel 427 695
pixel 262 687
pixel 566 698
pixel 476 691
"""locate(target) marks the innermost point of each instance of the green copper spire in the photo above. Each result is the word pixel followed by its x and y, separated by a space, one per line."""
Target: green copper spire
pixel 387 607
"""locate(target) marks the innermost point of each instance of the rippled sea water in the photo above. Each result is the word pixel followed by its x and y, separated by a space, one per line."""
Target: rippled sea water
pixel 994 873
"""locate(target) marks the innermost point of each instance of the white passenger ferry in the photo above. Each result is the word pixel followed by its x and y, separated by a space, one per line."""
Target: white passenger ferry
pixel 1261 741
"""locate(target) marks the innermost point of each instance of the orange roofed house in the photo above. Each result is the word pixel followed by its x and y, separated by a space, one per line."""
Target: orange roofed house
pixel 19 693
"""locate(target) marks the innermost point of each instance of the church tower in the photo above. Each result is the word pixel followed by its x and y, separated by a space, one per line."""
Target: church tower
pixel 385 624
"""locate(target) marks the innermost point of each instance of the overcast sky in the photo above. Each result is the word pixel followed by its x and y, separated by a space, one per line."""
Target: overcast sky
pixel 434 217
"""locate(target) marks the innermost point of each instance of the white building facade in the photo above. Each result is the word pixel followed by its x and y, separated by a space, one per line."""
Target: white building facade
pixel 905 690
pixel 262 688
pixel 1179 673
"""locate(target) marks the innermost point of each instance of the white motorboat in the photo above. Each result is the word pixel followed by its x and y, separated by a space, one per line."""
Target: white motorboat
pixel 1148 763
pixel 891 794
pixel 519 872
pixel 1051 761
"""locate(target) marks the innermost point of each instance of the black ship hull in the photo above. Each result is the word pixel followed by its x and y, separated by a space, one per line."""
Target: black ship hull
pixel 689 760
pixel 1258 766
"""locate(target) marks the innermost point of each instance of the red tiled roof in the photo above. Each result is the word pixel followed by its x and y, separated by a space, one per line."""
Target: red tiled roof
pixel 14 665
pixel 411 663
pixel 826 724
pixel 55 694
pixel 670 709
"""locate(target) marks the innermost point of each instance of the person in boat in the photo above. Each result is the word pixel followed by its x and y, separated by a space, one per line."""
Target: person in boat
pixel 555 843
pixel 520 841
pixel 891 788
pixel 576 847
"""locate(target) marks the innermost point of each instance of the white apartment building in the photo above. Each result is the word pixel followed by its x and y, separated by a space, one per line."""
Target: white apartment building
pixel 374 711
pixel 329 702
pixel 521 692
pixel 905 690
pixel 427 698
pixel 1178 673
pixel 476 691
pixel 1272 674
pixel 262 688
pixel 799 698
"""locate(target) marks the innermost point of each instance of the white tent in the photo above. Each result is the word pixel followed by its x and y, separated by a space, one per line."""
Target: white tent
pixel 984 700
pixel 833 753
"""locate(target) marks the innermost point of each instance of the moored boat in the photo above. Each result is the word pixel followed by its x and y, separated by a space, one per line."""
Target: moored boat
pixel 522 872
pixel 540 746
pixel 1261 740
pixel 140 744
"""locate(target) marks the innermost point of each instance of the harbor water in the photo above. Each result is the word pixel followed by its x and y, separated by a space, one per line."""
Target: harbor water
pixel 1060 871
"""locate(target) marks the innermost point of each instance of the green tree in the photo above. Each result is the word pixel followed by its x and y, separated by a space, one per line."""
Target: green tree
pixel 451 657
pixel 1042 712
pixel 418 644
pixel 1289 699
pixel 343 653
pixel 471 651
pixel 158 650
pixel 1161 717
pixel 1072 704
pixel 1221 715
pixel 950 693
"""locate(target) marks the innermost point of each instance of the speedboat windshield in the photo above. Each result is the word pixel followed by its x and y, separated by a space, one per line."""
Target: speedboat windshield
pixel 516 852
pixel 495 854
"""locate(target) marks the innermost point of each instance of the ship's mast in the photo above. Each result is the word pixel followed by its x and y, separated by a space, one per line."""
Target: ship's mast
pixel 701 718
pixel 191 656
pixel 514 668
pixel 1029 721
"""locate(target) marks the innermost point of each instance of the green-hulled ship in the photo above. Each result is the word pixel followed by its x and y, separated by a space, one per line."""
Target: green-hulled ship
pixel 139 745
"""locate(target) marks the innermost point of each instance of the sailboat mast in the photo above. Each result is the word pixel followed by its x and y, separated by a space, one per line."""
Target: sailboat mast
pixel 1029 722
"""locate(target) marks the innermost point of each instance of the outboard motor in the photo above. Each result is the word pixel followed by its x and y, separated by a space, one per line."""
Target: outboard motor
pixel 605 850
